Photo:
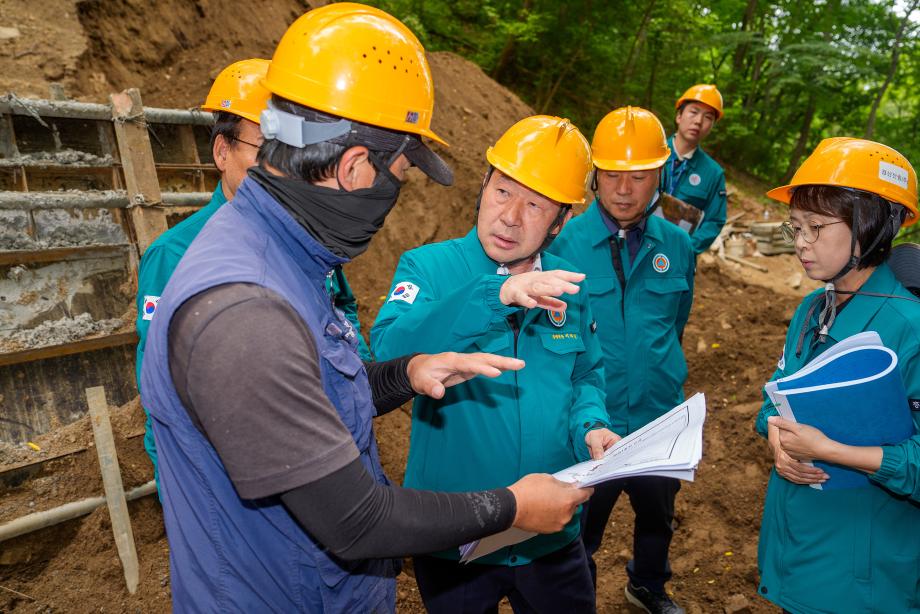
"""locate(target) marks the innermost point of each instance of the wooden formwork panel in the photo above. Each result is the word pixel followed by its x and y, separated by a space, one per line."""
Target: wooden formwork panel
pixel 41 394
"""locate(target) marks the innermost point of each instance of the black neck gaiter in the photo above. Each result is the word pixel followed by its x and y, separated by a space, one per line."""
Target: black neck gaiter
pixel 343 222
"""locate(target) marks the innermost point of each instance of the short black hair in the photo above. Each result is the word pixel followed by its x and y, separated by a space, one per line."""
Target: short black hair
pixel 873 220
pixel 312 163
pixel 226 125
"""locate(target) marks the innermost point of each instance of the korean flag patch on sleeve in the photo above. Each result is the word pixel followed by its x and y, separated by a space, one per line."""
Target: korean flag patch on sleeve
pixel 404 291
pixel 150 306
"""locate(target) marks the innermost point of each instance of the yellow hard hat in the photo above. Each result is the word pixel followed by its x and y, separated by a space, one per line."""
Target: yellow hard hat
pixel 548 155
pixel 356 62
pixel 629 139
pixel 705 93
pixel 238 89
pixel 859 164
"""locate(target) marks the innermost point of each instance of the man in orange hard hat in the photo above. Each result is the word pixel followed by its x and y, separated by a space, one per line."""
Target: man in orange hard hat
pixel 690 174
pixel 273 494
pixel 236 98
pixel 497 290
pixel 640 271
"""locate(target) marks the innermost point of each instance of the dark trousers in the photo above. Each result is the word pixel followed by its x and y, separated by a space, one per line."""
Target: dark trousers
pixel 652 500
pixel 557 582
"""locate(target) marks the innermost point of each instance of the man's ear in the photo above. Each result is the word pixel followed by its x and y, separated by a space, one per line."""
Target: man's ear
pixel 350 165
pixel 220 152
pixel 565 219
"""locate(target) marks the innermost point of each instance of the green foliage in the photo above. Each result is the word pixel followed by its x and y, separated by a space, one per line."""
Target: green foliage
pixel 772 60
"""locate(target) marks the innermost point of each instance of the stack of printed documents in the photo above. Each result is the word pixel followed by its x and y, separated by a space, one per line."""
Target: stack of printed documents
pixel 854 394
pixel 671 446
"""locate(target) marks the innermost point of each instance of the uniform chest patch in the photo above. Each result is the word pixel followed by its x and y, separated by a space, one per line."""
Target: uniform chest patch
pixel 150 306
pixel 556 318
pixel 404 291
pixel 694 179
pixel 661 263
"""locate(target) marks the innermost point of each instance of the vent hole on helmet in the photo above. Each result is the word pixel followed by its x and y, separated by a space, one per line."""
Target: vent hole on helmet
pixel 364 55
pixel 380 61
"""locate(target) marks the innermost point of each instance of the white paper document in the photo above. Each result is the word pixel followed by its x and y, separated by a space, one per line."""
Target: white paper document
pixel 670 446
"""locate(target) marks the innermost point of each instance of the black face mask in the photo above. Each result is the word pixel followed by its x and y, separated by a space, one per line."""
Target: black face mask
pixel 343 222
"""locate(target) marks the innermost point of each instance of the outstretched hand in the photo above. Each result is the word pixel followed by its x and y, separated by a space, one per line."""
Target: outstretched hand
pixel 431 374
pixel 539 289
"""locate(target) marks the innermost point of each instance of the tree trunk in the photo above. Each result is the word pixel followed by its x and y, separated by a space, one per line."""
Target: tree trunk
pixel 892 70
pixel 804 133
pixel 650 86
pixel 741 51
pixel 505 57
pixel 629 66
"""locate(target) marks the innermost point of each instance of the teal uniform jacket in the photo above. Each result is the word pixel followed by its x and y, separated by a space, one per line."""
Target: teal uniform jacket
pixel 487 433
pixel 639 328
pixel 854 550
pixel 162 258
pixel 701 183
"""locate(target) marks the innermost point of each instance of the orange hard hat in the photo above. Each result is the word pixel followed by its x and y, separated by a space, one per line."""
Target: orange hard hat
pixel 629 139
pixel 238 89
pixel 859 164
pixel 356 62
pixel 547 154
pixel 705 93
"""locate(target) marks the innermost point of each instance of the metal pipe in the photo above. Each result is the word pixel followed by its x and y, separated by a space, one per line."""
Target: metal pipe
pixel 68 511
pixel 13 104
pixel 93 199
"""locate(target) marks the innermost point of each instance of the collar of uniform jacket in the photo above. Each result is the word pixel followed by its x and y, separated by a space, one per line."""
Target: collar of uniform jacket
pixel 537 266
pixel 682 157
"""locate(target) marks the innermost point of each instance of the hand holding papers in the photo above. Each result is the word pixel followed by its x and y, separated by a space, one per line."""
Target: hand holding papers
pixel 671 446
pixel 853 393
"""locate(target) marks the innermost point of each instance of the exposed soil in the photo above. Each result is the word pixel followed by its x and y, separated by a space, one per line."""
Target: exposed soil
pixel 171 50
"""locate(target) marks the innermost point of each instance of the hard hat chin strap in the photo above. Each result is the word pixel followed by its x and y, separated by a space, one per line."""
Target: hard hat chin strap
pixel 649 210
pixel 829 309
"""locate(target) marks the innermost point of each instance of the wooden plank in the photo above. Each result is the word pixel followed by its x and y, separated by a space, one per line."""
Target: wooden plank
pixel 139 169
pixel 40 395
pixel 8 147
pixel 61 254
pixel 65 349
pixel 113 486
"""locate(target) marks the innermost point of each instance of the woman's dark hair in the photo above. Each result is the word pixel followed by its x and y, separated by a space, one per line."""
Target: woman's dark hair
pixel 312 163
pixel 872 222
pixel 226 125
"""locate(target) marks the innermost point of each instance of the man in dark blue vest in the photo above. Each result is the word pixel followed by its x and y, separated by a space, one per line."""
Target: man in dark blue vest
pixel 273 494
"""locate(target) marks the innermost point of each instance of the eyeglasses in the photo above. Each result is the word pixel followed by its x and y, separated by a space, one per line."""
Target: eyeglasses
pixel 233 138
pixel 809 232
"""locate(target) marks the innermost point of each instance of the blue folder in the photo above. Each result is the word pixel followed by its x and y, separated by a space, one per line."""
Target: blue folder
pixel 856 398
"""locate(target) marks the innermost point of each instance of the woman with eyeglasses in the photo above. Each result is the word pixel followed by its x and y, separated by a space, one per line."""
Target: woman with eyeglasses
pixel 845 550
